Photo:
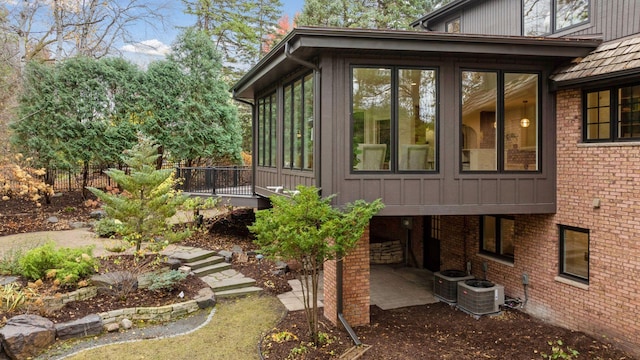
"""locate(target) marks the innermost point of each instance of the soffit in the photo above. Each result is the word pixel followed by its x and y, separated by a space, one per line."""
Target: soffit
pixel 310 42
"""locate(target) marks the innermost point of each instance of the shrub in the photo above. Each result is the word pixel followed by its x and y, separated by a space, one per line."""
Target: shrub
pixel 108 227
pixel 64 264
pixel 166 280
pixel 13 297
pixel 9 263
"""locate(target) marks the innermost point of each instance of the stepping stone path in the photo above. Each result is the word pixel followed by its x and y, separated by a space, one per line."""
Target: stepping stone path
pixel 212 268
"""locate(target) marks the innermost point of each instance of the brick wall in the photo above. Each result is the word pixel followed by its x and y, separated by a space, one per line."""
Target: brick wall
pixel 609 305
pixel 356 285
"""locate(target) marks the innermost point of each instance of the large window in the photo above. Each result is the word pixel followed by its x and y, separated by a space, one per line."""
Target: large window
pixel 267 115
pixel 574 253
pixel 612 114
pixel 500 121
pixel 393 119
pixel 298 124
pixel 497 235
pixel 543 17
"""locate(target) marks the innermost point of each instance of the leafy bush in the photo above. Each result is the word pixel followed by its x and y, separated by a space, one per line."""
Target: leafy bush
pixel 108 227
pixel 166 280
pixel 64 264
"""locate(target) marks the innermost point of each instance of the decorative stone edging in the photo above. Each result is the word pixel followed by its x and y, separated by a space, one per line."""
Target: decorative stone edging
pixel 91 324
pixel 204 299
pixel 56 302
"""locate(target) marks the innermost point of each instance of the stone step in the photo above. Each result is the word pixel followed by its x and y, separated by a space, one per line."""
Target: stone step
pixel 203 271
pixel 212 260
pixel 190 254
pixel 238 292
pixel 231 284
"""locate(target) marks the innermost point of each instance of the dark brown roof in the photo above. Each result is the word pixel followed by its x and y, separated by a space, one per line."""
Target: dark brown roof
pixel 614 58
pixel 305 43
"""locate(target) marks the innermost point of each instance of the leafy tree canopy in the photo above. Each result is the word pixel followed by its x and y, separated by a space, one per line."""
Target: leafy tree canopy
pixel 381 14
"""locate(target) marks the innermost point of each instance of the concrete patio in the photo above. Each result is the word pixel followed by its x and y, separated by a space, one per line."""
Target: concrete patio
pixel 392 287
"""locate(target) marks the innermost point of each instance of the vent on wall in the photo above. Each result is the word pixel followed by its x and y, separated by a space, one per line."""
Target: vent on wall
pixel 445 284
pixel 480 297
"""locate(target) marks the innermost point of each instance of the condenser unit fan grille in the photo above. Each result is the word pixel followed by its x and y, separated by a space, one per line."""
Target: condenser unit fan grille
pixel 480 297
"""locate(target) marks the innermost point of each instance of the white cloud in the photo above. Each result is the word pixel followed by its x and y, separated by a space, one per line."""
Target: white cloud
pixel 148 47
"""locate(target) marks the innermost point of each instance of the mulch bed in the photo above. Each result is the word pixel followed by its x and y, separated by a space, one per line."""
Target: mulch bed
pixel 435 331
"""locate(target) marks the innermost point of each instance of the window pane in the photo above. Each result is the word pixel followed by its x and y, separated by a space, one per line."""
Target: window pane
pixel 571 12
pixel 371 116
pixel 507 236
pixel 575 255
pixel 297 124
pixel 272 131
pixel 416 119
pixel 489 234
pixel 479 104
pixel 261 117
pixel 453 26
pixel 536 17
pixel 288 127
pixel 598 115
pixel 629 112
pixel 308 122
pixel 521 122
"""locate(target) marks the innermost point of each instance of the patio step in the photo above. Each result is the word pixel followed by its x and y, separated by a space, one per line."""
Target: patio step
pixel 212 260
pixel 231 284
pixel 238 292
pixel 210 269
pixel 191 255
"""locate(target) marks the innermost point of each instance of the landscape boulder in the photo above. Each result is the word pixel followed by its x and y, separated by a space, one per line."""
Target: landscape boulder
pixel 25 336
pixel 87 326
pixel 115 282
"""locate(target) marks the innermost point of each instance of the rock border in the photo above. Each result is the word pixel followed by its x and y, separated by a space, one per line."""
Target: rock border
pixel 96 324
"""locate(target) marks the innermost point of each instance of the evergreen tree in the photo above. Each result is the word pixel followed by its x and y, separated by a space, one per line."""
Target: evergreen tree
pixel 147 199
pixel 239 28
pixel 206 125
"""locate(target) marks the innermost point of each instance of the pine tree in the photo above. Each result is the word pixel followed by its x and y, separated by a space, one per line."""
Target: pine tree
pixel 147 199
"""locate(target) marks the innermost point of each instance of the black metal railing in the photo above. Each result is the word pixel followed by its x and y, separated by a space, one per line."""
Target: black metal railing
pixel 226 180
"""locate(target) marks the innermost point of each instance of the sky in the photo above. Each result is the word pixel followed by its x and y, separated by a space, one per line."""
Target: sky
pixel 154 43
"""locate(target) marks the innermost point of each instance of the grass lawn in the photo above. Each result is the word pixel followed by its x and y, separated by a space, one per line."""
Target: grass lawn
pixel 233 333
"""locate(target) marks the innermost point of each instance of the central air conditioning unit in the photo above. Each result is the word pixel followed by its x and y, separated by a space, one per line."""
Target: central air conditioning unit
pixel 480 297
pixel 445 284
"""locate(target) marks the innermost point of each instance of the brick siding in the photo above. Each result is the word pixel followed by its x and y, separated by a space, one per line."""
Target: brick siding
pixel 356 285
pixel 609 305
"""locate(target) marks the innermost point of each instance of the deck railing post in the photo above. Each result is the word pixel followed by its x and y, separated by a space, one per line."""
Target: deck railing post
pixel 215 179
pixel 235 176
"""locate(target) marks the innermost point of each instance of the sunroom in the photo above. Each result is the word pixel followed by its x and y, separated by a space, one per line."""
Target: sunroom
pixel 434 124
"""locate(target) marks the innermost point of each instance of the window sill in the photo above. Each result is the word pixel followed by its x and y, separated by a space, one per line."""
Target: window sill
pixel 570 282
pixel 496 259
pixel 609 144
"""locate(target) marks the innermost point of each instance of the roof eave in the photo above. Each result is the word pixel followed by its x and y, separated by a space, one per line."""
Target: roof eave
pixel 316 39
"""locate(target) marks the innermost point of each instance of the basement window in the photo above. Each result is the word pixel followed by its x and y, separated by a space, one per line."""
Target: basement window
pixel 497 236
pixel 574 253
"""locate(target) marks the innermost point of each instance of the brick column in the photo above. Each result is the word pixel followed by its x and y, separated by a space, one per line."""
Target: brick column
pixel 355 286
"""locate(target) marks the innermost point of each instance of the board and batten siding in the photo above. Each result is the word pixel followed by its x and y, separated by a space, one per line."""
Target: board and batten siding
pixel 611 19
pixel 446 191
pixel 500 17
